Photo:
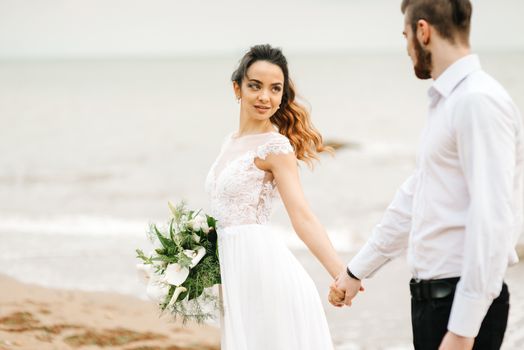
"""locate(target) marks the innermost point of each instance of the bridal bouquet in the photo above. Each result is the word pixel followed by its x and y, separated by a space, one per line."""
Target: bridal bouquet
pixel 184 265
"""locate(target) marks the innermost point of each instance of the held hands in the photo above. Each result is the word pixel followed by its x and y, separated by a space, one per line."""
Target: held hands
pixel 344 289
pixel 336 297
pixel 453 341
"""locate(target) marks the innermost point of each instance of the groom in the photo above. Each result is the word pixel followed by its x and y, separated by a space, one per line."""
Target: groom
pixel 460 212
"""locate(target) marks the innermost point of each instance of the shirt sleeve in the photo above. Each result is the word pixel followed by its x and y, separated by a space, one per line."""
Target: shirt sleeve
pixel 390 237
pixel 486 142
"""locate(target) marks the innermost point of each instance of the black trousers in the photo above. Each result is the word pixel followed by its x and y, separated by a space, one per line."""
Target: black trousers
pixel 429 319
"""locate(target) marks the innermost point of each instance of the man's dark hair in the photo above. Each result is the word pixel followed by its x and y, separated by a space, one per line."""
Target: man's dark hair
pixel 451 18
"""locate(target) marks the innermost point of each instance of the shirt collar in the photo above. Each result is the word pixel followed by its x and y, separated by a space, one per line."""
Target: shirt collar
pixel 453 75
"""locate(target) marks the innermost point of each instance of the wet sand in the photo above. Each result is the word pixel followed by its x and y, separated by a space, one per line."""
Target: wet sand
pixel 37 318
pixel 33 317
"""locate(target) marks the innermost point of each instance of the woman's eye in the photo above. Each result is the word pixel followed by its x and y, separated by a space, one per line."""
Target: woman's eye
pixel 277 89
pixel 253 86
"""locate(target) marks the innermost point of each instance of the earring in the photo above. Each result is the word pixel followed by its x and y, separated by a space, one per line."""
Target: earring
pixel 238 99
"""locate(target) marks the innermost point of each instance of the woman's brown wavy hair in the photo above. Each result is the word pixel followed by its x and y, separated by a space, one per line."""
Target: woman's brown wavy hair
pixel 291 119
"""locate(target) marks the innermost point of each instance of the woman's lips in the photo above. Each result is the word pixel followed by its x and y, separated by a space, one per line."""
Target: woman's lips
pixel 262 109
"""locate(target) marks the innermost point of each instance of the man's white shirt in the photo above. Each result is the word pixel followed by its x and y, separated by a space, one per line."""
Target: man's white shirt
pixel 460 213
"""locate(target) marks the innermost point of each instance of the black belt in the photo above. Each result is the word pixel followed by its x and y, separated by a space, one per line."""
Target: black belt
pixel 422 290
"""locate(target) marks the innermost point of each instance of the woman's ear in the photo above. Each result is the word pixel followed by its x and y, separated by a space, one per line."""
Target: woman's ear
pixel 236 90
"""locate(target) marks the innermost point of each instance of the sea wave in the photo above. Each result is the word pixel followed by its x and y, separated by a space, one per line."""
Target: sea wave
pixel 73 225
pixel 85 225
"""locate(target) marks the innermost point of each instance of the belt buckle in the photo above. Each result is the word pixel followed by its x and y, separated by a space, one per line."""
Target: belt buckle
pixel 441 289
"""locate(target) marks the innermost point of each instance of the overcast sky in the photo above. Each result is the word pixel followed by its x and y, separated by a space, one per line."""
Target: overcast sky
pixel 145 28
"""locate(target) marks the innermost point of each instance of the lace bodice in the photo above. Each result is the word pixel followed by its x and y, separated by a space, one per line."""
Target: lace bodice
pixel 240 192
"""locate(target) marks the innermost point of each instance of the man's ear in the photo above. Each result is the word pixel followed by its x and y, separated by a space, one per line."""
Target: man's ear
pixel 423 32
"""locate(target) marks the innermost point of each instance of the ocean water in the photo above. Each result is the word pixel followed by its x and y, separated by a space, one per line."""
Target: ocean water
pixel 92 150
pixel 101 146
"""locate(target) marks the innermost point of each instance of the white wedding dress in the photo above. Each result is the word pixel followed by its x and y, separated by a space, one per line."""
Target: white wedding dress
pixel 270 302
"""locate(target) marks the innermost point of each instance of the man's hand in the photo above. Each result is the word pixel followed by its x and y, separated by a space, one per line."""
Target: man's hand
pixel 453 341
pixel 344 289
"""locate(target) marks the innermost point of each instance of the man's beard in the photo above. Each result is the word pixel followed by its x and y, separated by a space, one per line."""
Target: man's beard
pixel 424 62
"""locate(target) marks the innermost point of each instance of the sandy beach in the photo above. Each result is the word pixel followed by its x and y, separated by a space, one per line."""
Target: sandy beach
pixel 36 318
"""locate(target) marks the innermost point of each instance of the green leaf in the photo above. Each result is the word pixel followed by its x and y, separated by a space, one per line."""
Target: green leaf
pixel 171 231
pixel 211 222
pixel 196 291
pixel 183 295
pixel 184 260
pixel 146 259
pixel 167 259
pixel 166 243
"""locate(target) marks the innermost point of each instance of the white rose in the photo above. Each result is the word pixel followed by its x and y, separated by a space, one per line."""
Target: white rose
pixel 175 274
pixel 205 227
pixel 199 222
pixel 194 224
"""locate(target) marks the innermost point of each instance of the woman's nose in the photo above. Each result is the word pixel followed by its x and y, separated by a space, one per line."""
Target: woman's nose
pixel 263 97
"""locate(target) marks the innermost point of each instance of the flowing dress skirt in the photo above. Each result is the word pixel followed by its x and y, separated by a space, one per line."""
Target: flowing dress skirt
pixel 270 302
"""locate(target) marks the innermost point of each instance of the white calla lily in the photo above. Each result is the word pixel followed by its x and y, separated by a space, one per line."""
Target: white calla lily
pixel 195 255
pixel 176 274
pixel 196 238
pixel 178 291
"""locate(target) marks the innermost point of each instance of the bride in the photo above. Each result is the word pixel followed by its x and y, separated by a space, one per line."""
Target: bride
pixel 270 302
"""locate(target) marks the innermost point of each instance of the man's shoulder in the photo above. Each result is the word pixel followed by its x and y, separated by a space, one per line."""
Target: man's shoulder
pixel 479 86
pixel 482 100
pixel 482 84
